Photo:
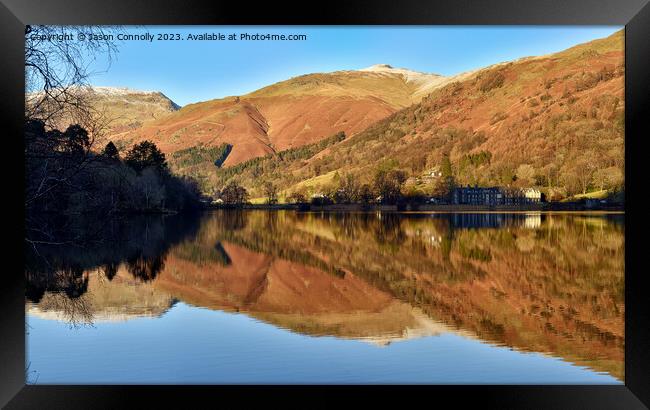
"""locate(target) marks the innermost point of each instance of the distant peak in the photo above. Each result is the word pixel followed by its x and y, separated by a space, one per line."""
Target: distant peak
pixel 378 67
pixel 104 90
pixel 409 76
pixel 120 90
pixel 124 91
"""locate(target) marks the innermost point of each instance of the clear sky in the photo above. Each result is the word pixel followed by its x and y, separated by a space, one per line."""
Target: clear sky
pixel 190 71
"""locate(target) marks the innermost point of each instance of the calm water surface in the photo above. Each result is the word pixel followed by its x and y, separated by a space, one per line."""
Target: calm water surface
pixel 286 297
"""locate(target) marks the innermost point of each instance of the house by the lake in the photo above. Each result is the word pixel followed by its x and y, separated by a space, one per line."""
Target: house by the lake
pixel 532 195
pixel 477 196
pixel 492 196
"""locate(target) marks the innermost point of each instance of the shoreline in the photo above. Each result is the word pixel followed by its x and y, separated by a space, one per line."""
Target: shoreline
pixel 412 208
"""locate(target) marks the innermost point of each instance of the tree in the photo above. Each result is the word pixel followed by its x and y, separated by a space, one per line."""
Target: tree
pixel 271 193
pixel 181 193
pixel 149 190
pixel 365 194
pixel 56 72
pixel 234 194
pixel 110 151
pixel 348 190
pixel 507 176
pixel 550 173
pixel 526 174
pixel 297 198
pixel 583 171
pixel 52 159
pixel 388 184
pixel 75 142
pixel 445 168
pixel 144 155
pixel 320 200
pixel 608 178
pixel 419 163
pixel 444 188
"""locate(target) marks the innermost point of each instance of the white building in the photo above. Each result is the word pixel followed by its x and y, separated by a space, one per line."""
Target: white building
pixel 532 194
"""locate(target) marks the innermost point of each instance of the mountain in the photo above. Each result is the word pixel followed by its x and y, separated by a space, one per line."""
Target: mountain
pixel 553 121
pixel 287 114
pixel 117 109
pixel 127 108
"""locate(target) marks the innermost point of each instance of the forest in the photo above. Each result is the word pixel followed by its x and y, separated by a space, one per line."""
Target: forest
pixel 68 171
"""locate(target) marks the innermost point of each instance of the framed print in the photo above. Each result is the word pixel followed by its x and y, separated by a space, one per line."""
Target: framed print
pixel 372 202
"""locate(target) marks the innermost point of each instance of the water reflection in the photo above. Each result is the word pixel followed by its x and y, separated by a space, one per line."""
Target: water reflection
pixel 540 282
pixel 59 277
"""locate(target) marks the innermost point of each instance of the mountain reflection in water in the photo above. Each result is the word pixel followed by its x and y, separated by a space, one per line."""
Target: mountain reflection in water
pixel 535 282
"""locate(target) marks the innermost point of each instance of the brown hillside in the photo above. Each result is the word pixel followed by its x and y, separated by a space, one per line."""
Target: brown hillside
pixel 127 109
pixel 116 110
pixel 555 121
pixel 287 114
pixel 213 123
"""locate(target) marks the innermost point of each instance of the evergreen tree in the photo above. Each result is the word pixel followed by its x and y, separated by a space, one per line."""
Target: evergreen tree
pixel 146 154
pixel 446 168
pixel 110 151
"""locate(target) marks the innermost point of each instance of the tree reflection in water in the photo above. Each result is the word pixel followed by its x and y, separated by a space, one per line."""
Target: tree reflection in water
pixel 63 271
pixel 110 270
pixel 146 268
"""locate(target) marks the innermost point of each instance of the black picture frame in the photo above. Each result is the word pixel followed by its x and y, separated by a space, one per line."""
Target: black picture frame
pixel 634 14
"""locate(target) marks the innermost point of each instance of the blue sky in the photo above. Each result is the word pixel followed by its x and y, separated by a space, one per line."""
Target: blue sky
pixel 191 71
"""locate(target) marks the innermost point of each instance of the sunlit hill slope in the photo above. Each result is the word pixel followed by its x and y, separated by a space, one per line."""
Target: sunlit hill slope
pixel 554 121
pixel 290 113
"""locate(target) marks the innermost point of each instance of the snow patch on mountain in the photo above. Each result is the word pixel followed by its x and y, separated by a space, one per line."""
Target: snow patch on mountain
pixel 121 91
pixel 423 81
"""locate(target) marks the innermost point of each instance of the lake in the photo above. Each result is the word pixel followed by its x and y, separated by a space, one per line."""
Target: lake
pixel 315 297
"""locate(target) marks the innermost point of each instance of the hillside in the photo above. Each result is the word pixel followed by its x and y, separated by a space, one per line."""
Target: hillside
pixel 127 109
pixel 554 121
pixel 115 109
pixel 291 113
